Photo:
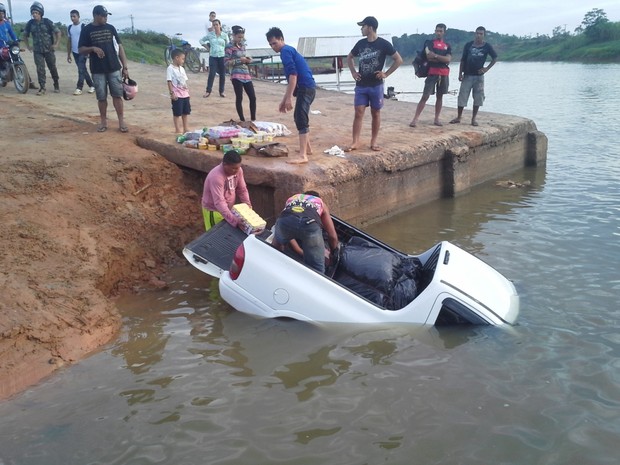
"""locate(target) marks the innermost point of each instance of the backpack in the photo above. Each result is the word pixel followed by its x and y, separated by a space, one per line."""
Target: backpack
pixel 420 64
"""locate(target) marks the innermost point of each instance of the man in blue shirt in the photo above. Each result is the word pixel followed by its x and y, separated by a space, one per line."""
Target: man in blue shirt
pixel 300 85
pixel 6 31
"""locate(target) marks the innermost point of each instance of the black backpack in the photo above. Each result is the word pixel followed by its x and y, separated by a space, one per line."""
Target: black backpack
pixel 420 64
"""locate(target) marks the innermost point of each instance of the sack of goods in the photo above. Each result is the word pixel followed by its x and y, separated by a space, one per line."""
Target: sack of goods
pixel 251 221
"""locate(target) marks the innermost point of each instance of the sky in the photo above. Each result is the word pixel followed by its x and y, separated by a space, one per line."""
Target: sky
pixel 324 18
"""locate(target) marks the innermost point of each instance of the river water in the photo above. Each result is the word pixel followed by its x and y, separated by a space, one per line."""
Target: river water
pixel 191 381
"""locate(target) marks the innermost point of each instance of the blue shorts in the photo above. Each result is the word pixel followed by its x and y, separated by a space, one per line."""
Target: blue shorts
pixel 114 80
pixel 181 107
pixel 372 96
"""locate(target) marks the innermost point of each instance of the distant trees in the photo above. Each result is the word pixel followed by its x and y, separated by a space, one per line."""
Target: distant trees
pixel 595 40
pixel 596 27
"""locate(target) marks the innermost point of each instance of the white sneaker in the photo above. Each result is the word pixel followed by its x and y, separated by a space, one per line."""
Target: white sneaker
pixel 91 90
pixel 77 92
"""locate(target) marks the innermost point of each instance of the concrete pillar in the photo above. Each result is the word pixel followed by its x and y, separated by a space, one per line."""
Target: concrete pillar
pixel 537 144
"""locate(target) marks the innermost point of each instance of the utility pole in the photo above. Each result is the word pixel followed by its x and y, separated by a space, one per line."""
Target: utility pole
pixel 10 11
pixel 132 31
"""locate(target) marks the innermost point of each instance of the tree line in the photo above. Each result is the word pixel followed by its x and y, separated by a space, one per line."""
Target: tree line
pixel 596 39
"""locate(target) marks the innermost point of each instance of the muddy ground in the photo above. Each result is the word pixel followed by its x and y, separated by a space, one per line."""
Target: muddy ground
pixel 85 216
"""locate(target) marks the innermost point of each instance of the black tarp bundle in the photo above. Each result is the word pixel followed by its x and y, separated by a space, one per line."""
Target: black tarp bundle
pixel 379 275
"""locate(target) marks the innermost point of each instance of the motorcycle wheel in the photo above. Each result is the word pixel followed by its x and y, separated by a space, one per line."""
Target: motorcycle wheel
pixel 192 60
pixel 21 78
pixel 167 56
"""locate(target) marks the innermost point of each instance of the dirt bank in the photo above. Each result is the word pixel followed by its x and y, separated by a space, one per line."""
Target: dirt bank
pixel 84 217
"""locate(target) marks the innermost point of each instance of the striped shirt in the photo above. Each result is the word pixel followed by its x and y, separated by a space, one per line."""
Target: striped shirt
pixel 239 70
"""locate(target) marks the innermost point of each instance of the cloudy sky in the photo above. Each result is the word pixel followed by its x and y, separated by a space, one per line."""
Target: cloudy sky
pixel 331 17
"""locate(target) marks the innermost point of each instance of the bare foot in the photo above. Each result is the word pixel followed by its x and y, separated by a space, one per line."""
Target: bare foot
pixel 376 148
pixel 438 123
pixel 474 122
pixel 413 124
pixel 455 121
pixel 350 148
pixel 298 161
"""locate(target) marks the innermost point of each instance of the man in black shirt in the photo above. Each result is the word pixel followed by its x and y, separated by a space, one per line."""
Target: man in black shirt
pixel 108 64
pixel 471 73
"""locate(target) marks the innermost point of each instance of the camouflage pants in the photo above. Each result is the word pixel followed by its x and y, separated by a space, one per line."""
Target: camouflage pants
pixel 42 58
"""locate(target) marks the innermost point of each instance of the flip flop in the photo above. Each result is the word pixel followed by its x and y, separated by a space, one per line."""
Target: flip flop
pixel 102 128
pixel 376 148
pixel 474 123
pixel 455 121
pixel 349 149
pixel 412 125
pixel 123 129
pixel 437 123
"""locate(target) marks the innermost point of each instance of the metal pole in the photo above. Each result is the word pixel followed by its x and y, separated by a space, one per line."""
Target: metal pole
pixel 10 12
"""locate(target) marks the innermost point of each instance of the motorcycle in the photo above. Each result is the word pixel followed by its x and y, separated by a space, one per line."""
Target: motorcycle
pixel 13 68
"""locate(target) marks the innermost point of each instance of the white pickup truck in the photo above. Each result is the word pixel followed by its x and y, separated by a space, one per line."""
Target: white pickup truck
pixel 371 282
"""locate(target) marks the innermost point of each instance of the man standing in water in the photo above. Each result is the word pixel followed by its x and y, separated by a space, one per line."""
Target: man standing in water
pixel 438 54
pixel 372 51
pixel 471 73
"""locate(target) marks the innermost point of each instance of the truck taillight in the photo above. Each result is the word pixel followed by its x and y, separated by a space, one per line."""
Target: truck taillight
pixel 237 264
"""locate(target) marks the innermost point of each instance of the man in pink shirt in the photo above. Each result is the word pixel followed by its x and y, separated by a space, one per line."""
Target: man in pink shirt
pixel 223 186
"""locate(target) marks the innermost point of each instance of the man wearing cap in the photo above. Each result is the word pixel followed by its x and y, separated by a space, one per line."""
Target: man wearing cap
pixel 99 40
pixel 372 51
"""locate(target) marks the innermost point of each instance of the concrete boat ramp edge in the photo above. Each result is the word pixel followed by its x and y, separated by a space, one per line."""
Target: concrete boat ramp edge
pixel 366 186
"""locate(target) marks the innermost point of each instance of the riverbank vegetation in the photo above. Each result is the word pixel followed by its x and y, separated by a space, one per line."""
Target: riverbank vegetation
pixel 595 40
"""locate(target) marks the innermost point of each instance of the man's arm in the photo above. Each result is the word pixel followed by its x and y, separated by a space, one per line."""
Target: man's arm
pixel 242 189
pixel 68 46
pixel 493 61
pixel 351 64
pixel 330 229
pixel 432 56
pixel 56 39
pixel 26 35
pixel 397 61
pixel 123 57
pixel 287 101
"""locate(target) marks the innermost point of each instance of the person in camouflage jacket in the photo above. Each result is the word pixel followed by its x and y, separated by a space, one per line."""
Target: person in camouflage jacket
pixel 45 38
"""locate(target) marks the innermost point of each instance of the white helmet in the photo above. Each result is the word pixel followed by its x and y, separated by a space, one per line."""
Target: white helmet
pixel 3 8
pixel 130 89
